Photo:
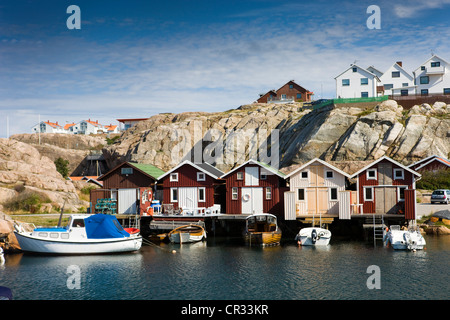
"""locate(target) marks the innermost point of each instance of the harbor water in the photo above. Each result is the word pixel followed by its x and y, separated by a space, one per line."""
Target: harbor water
pixel 220 269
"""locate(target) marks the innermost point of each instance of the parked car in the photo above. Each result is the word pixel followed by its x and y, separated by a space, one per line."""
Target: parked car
pixel 440 195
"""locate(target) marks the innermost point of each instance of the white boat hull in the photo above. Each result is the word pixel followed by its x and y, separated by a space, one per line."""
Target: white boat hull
pixel 29 243
pixel 314 236
pixel 405 240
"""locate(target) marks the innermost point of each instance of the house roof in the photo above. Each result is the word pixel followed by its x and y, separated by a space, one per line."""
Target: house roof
pixel 261 164
pixel 428 160
pixel 68 125
pixel 400 67
pixel 110 127
pixel 204 167
pixel 354 65
pixel 389 159
pixel 53 124
pixel 147 169
pixel 94 123
pixel 320 161
pixel 433 56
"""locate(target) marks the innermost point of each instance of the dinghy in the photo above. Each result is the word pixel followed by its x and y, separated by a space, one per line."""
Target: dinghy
pixel 84 234
pixel 187 234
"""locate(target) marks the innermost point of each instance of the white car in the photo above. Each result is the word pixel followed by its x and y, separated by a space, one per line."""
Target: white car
pixel 440 195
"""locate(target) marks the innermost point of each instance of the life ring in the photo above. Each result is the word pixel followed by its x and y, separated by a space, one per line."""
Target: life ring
pixel 246 197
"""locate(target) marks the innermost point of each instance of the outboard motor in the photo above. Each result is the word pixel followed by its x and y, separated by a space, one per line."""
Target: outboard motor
pixel 313 236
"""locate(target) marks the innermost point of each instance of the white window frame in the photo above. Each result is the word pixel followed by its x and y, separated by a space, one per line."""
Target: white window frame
pixel 268 193
pixel 240 175
pixel 402 176
pixel 204 194
pixel 201 176
pixel 371 178
pixel 307 174
pixel 329 194
pixel 398 193
pixel 174 177
pixel 234 193
pixel 329 171
pixel 171 194
pixel 365 194
pixel 263 175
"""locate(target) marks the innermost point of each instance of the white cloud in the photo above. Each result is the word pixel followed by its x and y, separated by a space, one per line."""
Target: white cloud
pixel 413 8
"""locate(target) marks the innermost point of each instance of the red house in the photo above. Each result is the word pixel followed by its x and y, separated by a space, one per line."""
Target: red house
pixel 432 163
pixel 190 186
pixel 291 91
pixel 255 187
pixel 387 187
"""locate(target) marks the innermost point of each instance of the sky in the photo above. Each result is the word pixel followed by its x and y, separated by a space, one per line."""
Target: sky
pixel 135 59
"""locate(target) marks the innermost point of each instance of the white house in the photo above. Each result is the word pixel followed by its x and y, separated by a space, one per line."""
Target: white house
pixel 356 82
pixel 433 76
pixel 88 127
pixel 48 127
pixel 397 81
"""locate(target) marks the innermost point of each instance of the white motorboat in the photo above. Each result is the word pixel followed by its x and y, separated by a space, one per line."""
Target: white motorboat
pixel 84 234
pixel 313 236
pixel 404 239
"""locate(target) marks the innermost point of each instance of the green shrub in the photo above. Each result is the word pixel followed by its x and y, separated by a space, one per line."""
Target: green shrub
pixel 62 166
pixel 26 201
pixel 432 180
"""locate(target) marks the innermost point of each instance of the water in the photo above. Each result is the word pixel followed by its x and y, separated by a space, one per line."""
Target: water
pixel 218 270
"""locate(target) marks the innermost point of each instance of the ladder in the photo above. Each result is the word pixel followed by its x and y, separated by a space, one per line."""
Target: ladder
pixel 378 228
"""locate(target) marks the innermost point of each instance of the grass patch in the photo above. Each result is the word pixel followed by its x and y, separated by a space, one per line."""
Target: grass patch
pixel 42 221
pixel 26 202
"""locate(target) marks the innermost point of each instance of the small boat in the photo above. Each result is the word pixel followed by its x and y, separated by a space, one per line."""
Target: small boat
pixel 84 234
pixel 313 236
pixel 404 239
pixel 187 234
pixel 262 229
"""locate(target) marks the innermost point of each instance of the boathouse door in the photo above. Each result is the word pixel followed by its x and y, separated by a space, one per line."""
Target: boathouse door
pixel 317 200
pixel 252 200
pixel 251 176
pixel 187 198
pixel 127 201
pixel 385 199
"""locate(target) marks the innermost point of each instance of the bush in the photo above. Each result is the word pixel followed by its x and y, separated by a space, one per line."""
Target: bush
pixel 432 180
pixel 28 202
pixel 62 166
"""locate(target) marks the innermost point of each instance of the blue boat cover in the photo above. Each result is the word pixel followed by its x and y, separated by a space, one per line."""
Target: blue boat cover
pixel 103 226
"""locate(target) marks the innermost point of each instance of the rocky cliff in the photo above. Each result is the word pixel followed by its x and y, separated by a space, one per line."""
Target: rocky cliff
pixel 25 172
pixel 334 133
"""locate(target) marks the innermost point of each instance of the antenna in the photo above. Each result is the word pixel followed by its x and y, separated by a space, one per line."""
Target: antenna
pixel 432 53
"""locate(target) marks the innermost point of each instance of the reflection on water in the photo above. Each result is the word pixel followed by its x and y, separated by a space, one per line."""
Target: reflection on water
pixel 219 270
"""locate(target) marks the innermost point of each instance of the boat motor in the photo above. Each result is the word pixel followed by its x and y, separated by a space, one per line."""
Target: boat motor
pixel 313 236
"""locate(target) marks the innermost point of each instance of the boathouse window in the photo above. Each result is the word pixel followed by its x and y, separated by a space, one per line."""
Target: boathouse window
pixel 371 174
pixel 368 194
pixel 173 194
pixel 401 193
pixel 174 177
pixel 201 194
pixel 234 193
pixel 201 176
pixel 126 170
pixel 263 175
pixel 304 175
pixel 268 193
pixel 301 194
pixel 333 194
pixel 329 174
pixel 399 174
pixel 240 175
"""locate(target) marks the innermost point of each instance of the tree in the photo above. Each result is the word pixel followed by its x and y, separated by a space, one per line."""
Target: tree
pixel 62 166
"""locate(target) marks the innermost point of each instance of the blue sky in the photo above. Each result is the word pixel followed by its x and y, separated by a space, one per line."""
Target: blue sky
pixel 139 58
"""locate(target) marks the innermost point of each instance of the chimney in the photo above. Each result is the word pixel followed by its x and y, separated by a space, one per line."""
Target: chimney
pixel 399 63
